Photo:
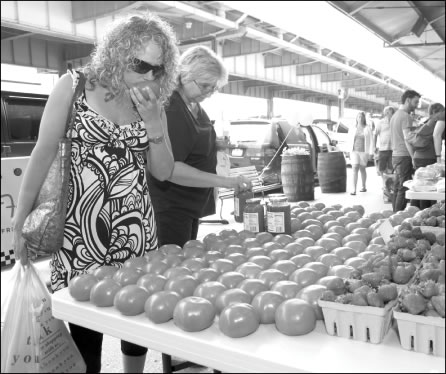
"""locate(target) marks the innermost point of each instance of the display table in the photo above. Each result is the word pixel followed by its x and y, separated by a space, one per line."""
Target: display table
pixel 425 195
pixel 266 350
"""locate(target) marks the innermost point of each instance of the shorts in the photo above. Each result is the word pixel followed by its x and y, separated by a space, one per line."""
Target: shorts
pixel 385 161
pixel 359 158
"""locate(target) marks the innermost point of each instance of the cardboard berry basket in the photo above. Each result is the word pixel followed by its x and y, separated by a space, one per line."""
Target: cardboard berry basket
pixel 363 323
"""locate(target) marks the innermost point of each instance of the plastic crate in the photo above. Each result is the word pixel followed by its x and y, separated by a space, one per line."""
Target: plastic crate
pixel 421 334
pixel 363 323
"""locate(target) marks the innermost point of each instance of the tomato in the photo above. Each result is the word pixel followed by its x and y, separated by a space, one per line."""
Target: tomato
pixel 177 271
pixel 301 260
pixel 330 260
pixel 271 246
pixel 351 226
pixel 341 271
pixel 212 256
pixel 311 295
pixel 183 285
pixel 271 276
pixel 223 265
pixel 237 258
pixel 320 268
pixel 256 251
pixel 355 216
pixel 355 262
pixel 287 289
pixel 264 237
pixel 252 286
pixel 210 291
pixel 218 245
pixel 244 234
pixel 316 231
pixel 287 267
pixel 263 261
pixel 344 253
pixel 324 218
pixel 249 269
pixel 315 251
pixel 152 283
pixel 81 285
pixel 265 304
pixel 304 241
pixel 333 283
pixel 295 317
pixel 355 237
pixel 356 245
pixel 173 260
pixel 193 264
pixel 294 249
pixel 304 277
pixel 238 320
pixel 329 224
pixel 194 243
pixel 156 267
pixel 251 243
pixel 194 252
pixel 334 236
pixel 103 293
pixel 154 255
pixel 367 254
pixel 279 254
pixel 206 275
pixel 232 296
pixel 295 224
pixel 160 306
pixel 173 249
pixel 231 279
pixel 226 233
pixel 126 276
pixel 194 314
pixel 283 239
pixel 233 248
pixel 105 272
pixel 338 230
pixel 130 300
pixel 335 214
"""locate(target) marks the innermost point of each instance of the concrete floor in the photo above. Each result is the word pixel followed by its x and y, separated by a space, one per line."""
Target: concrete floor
pixel 372 200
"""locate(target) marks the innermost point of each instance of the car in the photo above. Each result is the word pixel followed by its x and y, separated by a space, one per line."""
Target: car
pixel 260 142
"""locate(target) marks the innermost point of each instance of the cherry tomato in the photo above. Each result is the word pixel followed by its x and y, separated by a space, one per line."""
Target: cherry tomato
pixel 103 293
pixel 249 270
pixel 229 297
pixel 126 276
pixel 271 276
pixel 160 306
pixel 194 314
pixel 81 285
pixel 287 289
pixel 238 320
pixel 130 300
pixel 265 304
pixel 231 279
pixel 252 286
pixel 295 317
pixel 152 282
pixel 105 272
pixel 183 285
pixel 210 291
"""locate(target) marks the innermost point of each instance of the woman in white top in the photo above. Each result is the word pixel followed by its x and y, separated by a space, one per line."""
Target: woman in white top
pixel 360 145
pixel 439 135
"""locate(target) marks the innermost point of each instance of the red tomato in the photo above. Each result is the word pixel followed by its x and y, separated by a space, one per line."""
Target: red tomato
pixel 226 233
pixel 271 246
pixel 294 249
pixel 305 241
pixel 263 261
pixel 344 253
pixel 231 279
pixel 176 271
pixel 206 275
pixel 320 268
pixel 265 304
pixel 136 263
pixel 315 251
pixel 160 306
pixel 193 264
pixel 105 272
pixel 154 255
pixel 194 314
pixel 183 285
pixel 130 300
pixel 283 239
pixel 249 270
pixel 156 267
pixel 223 265
pixel 264 237
pixel 170 249
pixel 279 254
pixel 217 245
pixel 81 285
pixel 173 260
pixel 255 251
pixel 287 267
pixel 233 240
pixel 311 295
pixel 212 256
pixel 244 234
pixel 126 276
pixel 251 243
pixel 194 252
pixel 194 243
pixel 330 260
pixel 152 283
pixel 304 277
pixel 237 258
pixel 210 291
pixel 233 248
pixel 357 246
pixel 229 297
pixel 103 293
pixel 287 289
pixel 271 276
pixel 301 260
pixel 238 320
pixel 295 317
pixel 252 286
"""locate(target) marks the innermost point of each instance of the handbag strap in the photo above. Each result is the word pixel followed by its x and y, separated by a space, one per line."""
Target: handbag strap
pixel 72 111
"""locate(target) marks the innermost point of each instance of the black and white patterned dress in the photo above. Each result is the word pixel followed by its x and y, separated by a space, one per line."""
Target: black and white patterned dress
pixel 109 216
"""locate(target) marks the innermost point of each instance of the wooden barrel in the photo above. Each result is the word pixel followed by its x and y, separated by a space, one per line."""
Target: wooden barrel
pixel 332 172
pixel 298 177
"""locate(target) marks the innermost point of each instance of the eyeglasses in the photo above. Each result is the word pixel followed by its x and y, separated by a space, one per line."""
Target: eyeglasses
pixel 206 88
pixel 142 67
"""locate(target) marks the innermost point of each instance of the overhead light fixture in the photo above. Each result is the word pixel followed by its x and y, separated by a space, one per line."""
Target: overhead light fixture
pixel 188 25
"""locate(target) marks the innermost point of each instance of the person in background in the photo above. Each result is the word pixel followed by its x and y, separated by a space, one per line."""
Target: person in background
pixel 360 144
pixel 439 135
pixel 188 194
pixel 401 154
pixel 384 150
pixel 109 215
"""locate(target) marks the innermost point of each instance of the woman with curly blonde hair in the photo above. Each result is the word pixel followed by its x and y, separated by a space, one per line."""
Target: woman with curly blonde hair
pixel 119 119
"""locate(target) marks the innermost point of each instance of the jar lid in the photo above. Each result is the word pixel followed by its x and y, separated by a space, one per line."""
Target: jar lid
pixel 279 199
pixel 254 201
pixel 275 195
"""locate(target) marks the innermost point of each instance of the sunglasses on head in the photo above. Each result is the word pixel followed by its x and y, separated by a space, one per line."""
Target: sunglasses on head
pixel 142 67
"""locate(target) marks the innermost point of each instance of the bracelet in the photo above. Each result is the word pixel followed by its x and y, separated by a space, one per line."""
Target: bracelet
pixel 156 140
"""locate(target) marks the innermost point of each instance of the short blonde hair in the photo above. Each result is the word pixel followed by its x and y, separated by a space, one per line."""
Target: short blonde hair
pixel 202 63
pixel 389 108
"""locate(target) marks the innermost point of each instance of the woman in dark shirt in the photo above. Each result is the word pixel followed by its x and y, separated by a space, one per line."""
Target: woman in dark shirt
pixel 189 193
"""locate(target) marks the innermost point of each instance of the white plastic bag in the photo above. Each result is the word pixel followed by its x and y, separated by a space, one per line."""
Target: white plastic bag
pixel 33 341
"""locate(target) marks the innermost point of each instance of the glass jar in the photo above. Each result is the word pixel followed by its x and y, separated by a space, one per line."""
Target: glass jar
pixel 279 216
pixel 254 216
pixel 239 204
